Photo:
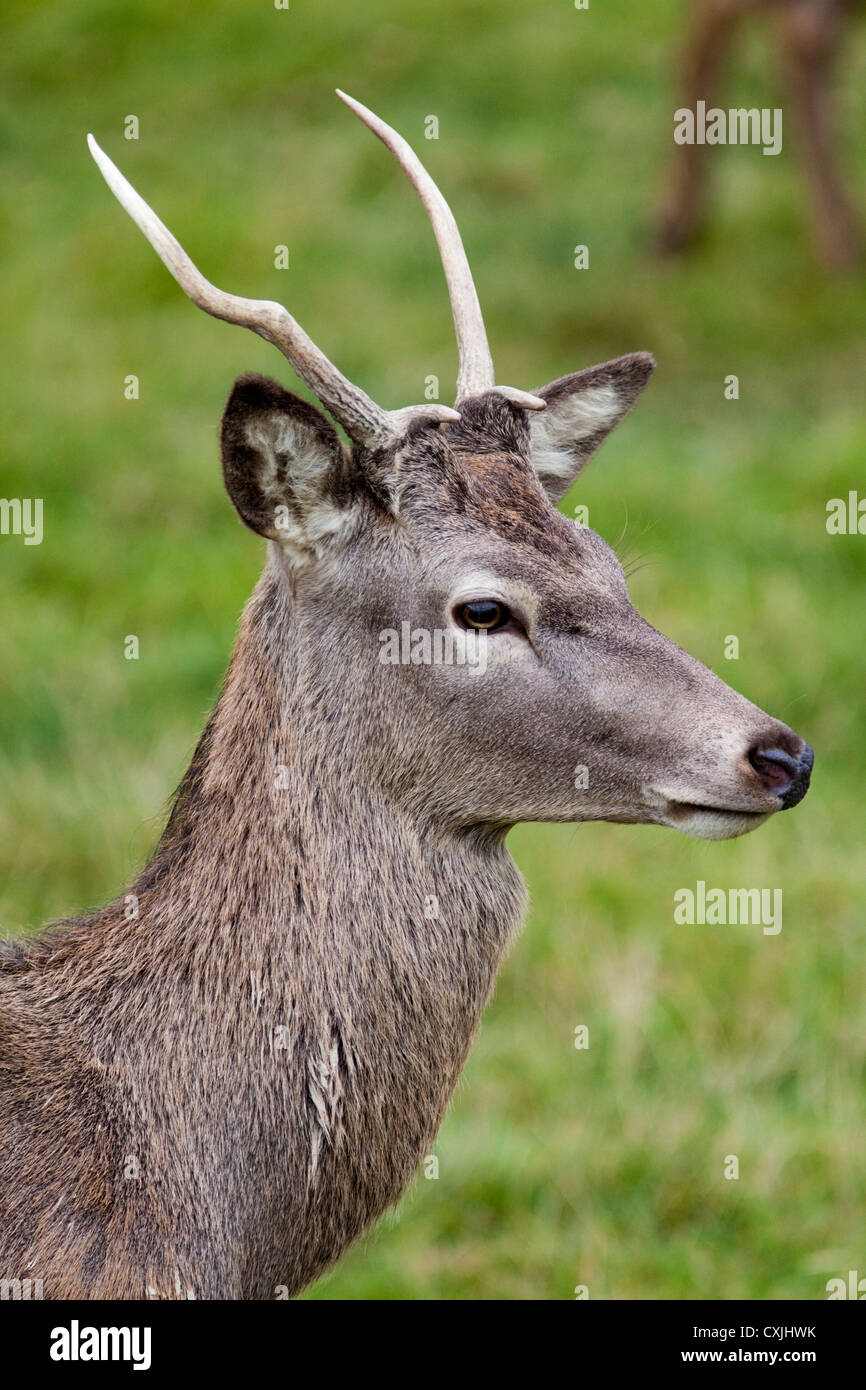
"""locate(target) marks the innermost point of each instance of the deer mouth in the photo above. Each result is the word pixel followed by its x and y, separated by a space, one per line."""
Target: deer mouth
pixel 779 768
pixel 711 822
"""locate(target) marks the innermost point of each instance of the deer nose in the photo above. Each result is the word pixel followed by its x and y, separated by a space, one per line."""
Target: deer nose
pixel 784 776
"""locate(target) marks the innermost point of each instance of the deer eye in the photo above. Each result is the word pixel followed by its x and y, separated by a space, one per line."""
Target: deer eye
pixel 484 615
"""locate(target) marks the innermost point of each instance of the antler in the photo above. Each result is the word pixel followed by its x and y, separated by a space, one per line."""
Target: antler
pixel 475 371
pixel 364 421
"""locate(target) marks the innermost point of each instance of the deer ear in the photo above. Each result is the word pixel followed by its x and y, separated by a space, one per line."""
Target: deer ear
pixel 284 465
pixel 582 409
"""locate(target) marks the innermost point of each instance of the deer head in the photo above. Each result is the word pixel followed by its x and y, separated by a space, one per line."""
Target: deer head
pixel 445 520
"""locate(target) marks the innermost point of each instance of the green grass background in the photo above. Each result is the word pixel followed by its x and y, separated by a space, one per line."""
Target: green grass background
pixel 557 1167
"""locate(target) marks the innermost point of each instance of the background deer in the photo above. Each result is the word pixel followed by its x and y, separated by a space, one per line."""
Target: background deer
pixel 809 34
pixel 212 1094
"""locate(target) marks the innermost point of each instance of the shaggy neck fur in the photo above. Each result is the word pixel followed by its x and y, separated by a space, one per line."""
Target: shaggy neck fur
pixel 213 1097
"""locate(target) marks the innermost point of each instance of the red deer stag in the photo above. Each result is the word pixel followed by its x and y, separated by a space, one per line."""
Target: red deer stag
pixel 213 1096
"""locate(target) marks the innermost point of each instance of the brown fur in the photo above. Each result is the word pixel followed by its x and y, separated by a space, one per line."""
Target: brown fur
pixel 214 1096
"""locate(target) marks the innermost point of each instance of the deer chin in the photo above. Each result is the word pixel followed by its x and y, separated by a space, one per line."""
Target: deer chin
pixel 710 822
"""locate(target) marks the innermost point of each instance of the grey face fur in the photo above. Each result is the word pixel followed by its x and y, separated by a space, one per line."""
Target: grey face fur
pixel 212 1094
pixel 574 679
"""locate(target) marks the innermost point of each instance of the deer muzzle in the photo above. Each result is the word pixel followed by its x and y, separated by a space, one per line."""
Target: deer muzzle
pixel 773 774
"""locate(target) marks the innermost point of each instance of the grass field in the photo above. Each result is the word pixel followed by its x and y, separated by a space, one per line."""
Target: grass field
pixel 558 1167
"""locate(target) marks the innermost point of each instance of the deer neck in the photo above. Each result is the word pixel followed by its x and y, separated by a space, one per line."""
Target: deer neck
pixel 351 947
pixel 278 823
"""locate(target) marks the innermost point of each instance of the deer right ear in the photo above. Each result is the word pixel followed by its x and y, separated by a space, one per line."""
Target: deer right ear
pixel 284 465
pixel 582 409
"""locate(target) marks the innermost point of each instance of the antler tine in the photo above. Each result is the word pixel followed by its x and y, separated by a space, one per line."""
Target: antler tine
pixel 363 420
pixel 475 371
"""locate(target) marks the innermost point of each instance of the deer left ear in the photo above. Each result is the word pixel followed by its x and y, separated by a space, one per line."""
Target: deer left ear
pixel 284 466
pixel 582 409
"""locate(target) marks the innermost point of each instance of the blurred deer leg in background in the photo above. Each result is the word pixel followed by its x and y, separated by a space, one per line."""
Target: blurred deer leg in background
pixel 711 29
pixel 810 32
